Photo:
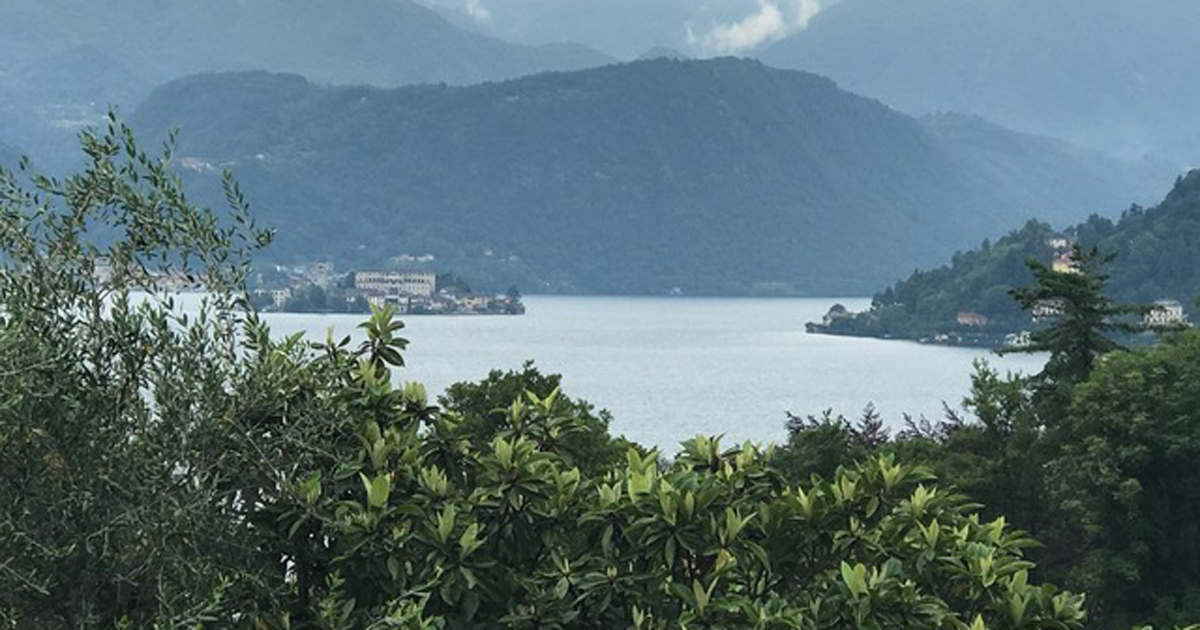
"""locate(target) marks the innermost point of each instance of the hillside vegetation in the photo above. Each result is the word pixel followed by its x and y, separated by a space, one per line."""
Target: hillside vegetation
pixel 722 176
pixel 1110 74
pixel 1157 256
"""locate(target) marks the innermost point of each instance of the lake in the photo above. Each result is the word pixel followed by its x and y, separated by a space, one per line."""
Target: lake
pixel 670 368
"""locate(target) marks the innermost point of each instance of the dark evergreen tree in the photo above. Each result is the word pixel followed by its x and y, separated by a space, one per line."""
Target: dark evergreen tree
pixel 1082 319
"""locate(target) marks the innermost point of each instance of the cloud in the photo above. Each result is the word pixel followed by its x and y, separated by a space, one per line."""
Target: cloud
pixel 774 19
pixel 477 11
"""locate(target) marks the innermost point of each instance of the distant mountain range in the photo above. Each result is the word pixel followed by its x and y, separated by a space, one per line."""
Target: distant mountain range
pixel 1157 257
pixel 715 177
pixel 1109 74
pixel 65 61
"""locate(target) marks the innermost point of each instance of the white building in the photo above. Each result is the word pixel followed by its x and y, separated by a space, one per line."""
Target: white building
pixel 1059 242
pixel 320 274
pixel 380 300
pixel 414 283
pixel 1166 314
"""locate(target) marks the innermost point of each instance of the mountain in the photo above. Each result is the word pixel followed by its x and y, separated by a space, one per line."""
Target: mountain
pixel 65 61
pixel 1107 74
pixel 1157 257
pixel 720 176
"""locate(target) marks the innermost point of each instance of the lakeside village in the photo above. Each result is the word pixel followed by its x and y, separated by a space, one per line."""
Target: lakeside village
pixel 413 290
pixel 976 330
pixel 316 288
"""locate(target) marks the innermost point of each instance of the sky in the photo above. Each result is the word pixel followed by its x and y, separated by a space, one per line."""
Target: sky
pixel 628 28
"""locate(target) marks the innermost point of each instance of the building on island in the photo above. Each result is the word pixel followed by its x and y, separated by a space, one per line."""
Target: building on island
pixel 396 283
pixel 321 273
pixel 401 303
pixel 279 297
pixel 1165 314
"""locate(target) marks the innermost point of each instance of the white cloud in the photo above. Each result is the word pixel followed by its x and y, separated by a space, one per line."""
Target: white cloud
pixel 774 19
pixel 477 11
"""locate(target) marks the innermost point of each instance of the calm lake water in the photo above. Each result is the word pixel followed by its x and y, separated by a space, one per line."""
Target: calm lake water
pixel 671 368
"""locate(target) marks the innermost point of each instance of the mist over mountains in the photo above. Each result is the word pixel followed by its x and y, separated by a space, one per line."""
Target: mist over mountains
pixel 66 61
pixel 1109 74
pixel 722 176
pixel 628 28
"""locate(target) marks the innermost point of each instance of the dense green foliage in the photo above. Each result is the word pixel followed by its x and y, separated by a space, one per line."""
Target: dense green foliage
pixel 1155 254
pixel 487 407
pixel 1100 73
pixel 67 60
pixel 720 176
pixel 1095 456
pixel 172 470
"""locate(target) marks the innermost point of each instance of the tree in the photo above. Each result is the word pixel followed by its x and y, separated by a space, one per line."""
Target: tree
pixel 1082 318
pixel 117 484
pixel 494 406
pixel 1128 483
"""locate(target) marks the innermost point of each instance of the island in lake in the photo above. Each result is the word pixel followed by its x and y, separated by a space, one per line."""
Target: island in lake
pixel 316 288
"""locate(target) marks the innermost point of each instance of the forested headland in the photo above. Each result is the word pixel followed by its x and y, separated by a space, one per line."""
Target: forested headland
pixel 1154 254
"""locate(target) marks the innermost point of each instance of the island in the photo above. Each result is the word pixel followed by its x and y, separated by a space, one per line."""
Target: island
pixel 317 288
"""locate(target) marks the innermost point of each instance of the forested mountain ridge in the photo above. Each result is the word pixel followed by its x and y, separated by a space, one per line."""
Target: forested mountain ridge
pixel 1103 73
pixel 65 61
pixel 1157 256
pixel 722 176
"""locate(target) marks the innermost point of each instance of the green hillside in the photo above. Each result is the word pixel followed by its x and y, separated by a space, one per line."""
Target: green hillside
pixel 1111 74
pixel 1157 257
pixel 722 176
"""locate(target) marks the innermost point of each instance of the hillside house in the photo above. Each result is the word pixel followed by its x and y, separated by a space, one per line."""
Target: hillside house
pixel 968 318
pixel 836 313
pixel 1064 264
pixel 1048 308
pixel 1058 242
pixel 1166 314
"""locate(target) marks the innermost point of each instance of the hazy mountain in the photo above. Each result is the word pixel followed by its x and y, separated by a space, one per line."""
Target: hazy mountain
pixel 1111 74
pixel 717 176
pixel 66 60
pixel 662 52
